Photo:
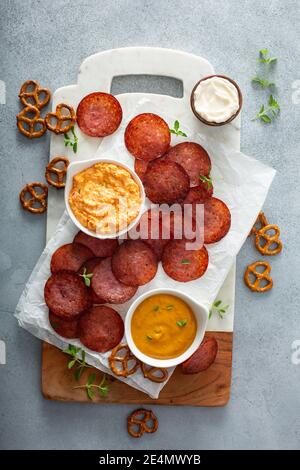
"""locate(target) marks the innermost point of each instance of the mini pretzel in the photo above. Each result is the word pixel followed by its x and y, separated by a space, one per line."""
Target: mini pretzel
pixel 41 198
pixel 60 173
pixel 269 240
pixel 60 118
pixel 123 360
pixel 31 97
pixel 31 126
pixel 255 286
pixel 133 422
pixel 150 373
pixel 260 222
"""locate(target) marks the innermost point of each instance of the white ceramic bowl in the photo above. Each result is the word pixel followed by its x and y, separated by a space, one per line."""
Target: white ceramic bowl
pixel 75 168
pixel 200 313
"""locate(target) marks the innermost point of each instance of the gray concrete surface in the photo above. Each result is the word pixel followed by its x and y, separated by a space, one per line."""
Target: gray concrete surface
pixel 48 41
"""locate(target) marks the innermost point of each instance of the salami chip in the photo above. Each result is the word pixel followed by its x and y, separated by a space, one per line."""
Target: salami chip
pixel 88 268
pixel 184 265
pixel 99 114
pixel 66 294
pixel 147 136
pixel 101 248
pixel 166 182
pixel 193 158
pixel 199 194
pixel 202 358
pixel 150 230
pixel 107 287
pixel 134 263
pixel 69 257
pixel 66 328
pixel 101 328
pixel 140 167
pixel 217 220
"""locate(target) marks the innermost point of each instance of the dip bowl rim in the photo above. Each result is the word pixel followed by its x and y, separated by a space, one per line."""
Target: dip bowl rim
pixel 201 315
pixel 77 167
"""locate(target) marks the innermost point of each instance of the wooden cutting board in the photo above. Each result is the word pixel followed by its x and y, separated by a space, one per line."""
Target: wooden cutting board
pixel 208 388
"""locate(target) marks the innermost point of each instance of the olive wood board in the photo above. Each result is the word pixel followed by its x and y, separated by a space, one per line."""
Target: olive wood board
pixel 208 388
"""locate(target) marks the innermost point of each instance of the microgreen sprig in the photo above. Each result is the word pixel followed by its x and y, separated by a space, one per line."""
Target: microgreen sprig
pixel 176 129
pixel 269 112
pixel 79 363
pixel 102 388
pixel 86 277
pixel 207 180
pixel 68 140
pixel 181 323
pixel 185 261
pixel 263 57
pixel 218 307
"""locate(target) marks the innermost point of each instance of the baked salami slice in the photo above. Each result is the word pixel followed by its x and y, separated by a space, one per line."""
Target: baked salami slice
pixel 107 287
pixel 147 136
pixel 193 158
pixel 140 167
pixel 202 358
pixel 70 257
pixel 101 247
pixel 101 328
pixel 199 194
pixel 66 294
pixel 134 263
pixel 150 231
pixel 184 265
pixel 99 114
pixel 88 268
pixel 65 328
pixel 166 182
pixel 217 220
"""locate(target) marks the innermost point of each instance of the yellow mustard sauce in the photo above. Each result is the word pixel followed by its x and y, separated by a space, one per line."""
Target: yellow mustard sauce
pixel 163 326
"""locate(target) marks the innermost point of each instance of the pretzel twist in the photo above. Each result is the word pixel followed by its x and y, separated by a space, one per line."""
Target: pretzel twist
pixel 60 118
pixel 123 360
pixel 260 222
pixel 155 374
pixel 31 98
pixel 141 423
pixel 41 198
pixel 270 240
pixel 60 173
pixel 27 125
pixel 255 285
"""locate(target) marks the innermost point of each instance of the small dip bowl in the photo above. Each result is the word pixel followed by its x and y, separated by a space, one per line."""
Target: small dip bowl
pixel 212 123
pixel 77 167
pixel 201 316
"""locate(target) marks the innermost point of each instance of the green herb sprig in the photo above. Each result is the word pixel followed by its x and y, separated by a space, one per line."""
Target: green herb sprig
pixel 263 57
pixel 77 361
pixel 72 143
pixel 181 323
pixel 207 180
pixel 267 61
pixel 185 261
pixel 219 308
pixel 86 277
pixel 269 112
pixel 176 129
pixel 90 386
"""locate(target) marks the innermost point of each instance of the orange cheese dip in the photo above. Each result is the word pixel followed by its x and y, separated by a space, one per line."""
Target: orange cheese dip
pixel 163 326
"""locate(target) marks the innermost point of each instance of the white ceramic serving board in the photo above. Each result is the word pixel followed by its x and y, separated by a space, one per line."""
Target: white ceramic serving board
pixel 96 74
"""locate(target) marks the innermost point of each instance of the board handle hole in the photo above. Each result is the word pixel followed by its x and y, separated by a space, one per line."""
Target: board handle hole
pixel 155 84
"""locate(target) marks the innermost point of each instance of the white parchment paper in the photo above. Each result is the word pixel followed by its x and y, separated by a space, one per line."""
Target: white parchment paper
pixel 240 181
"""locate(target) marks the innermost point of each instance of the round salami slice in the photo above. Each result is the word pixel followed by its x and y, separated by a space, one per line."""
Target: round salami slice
pixel 66 294
pixel 66 328
pixel 70 257
pixel 147 136
pixel 88 268
pixel 202 358
pixel 166 182
pixel 102 248
pixel 99 114
pixel 140 167
pixel 134 263
pixel 184 265
pixel 217 220
pixel 193 158
pixel 150 231
pixel 199 194
pixel 107 287
pixel 101 328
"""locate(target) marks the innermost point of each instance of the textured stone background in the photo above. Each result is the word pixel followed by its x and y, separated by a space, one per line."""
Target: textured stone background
pixel 48 41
